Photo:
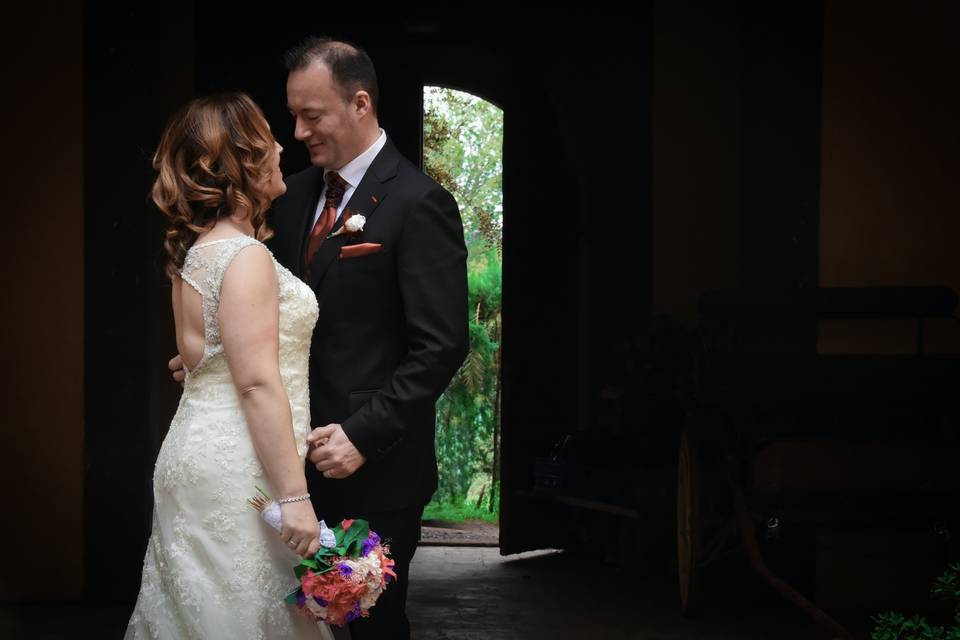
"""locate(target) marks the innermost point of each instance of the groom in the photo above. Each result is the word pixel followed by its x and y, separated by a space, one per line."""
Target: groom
pixel 392 329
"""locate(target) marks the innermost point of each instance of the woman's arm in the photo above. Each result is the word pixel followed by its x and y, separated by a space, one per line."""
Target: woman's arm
pixel 250 333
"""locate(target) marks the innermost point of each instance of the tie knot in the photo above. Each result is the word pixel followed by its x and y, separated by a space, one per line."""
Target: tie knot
pixel 336 186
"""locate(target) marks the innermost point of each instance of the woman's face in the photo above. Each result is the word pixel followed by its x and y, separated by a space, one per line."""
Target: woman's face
pixel 276 187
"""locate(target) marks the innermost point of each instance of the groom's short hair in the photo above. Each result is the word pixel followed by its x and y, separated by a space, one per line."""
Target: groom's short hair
pixel 351 67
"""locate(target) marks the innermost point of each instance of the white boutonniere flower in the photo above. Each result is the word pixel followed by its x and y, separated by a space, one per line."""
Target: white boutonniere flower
pixel 352 224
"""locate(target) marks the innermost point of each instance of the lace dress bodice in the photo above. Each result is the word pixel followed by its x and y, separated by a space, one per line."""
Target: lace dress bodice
pixel 213 568
pixel 203 269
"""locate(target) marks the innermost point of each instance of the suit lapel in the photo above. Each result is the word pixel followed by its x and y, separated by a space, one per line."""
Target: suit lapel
pixel 368 195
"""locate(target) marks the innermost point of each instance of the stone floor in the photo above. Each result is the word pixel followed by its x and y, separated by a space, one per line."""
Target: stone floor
pixel 468 592
pixel 473 592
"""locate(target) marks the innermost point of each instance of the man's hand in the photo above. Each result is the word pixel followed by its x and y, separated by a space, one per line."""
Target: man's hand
pixel 176 366
pixel 332 452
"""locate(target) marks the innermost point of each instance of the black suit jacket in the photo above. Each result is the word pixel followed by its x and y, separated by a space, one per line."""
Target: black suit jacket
pixel 392 329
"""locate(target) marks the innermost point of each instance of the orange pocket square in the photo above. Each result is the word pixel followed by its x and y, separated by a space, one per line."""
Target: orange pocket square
pixel 362 249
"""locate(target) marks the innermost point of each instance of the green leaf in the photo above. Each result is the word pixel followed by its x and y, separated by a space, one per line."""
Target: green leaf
pixel 354 537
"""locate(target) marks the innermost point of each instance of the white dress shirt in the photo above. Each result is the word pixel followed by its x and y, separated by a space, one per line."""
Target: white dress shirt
pixel 352 173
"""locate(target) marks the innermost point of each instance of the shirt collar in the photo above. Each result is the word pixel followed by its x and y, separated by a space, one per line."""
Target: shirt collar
pixel 354 170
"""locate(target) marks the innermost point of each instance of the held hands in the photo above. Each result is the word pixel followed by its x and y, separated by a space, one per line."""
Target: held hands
pixel 332 452
pixel 301 530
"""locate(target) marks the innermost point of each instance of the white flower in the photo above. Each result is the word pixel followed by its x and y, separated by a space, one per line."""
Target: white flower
pixel 354 224
pixel 358 573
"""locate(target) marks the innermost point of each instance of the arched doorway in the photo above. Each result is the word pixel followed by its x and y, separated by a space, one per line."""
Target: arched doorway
pixel 463 151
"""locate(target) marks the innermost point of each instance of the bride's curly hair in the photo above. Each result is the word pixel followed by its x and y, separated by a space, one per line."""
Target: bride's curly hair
pixel 215 158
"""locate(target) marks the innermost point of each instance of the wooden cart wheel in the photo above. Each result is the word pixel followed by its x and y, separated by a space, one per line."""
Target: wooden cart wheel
pixel 689 533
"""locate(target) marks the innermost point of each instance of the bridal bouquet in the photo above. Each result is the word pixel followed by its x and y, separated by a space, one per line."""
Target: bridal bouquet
pixel 345 577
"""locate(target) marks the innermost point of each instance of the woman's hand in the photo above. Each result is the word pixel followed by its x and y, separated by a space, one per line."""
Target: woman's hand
pixel 300 526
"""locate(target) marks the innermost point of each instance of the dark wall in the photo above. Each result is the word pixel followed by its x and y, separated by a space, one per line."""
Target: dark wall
pixel 806 155
pixel 41 327
pixel 698 77
pixel 576 243
pixel 138 69
pixel 737 107
pixel 890 165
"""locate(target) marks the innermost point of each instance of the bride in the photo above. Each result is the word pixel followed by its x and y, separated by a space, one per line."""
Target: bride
pixel 213 568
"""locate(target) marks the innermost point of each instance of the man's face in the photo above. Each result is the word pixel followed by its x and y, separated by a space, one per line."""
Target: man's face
pixel 324 121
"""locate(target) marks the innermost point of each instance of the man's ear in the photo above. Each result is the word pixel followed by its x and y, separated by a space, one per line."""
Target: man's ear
pixel 362 103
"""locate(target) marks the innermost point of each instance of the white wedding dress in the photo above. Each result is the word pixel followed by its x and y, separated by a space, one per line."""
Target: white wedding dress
pixel 213 568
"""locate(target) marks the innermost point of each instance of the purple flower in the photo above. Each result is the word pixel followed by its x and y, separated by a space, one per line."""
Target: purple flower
pixel 301 598
pixel 367 546
pixel 354 613
pixel 345 570
pixel 320 601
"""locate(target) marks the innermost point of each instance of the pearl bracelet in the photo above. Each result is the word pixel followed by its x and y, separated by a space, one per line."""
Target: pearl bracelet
pixel 305 496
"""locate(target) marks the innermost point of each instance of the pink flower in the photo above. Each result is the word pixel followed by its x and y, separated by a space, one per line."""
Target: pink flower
pixel 387 565
pixel 338 591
